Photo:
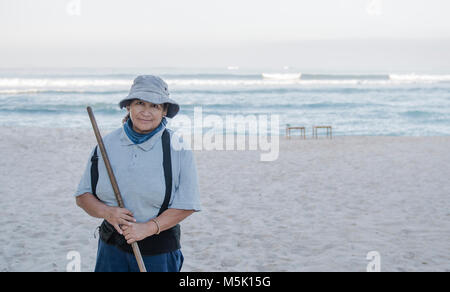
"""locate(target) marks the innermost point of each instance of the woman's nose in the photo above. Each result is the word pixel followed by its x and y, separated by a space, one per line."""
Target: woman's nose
pixel 148 111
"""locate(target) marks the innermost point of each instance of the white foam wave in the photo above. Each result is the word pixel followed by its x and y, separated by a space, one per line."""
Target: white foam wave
pixel 58 90
pixel 35 85
pixel 19 91
pixel 21 86
pixel 416 78
pixel 61 82
pixel 270 82
pixel 282 76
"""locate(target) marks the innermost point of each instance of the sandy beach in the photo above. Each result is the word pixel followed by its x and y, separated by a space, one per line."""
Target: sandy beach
pixel 321 206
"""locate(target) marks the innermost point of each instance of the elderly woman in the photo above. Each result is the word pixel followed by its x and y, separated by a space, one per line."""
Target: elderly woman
pixel 158 184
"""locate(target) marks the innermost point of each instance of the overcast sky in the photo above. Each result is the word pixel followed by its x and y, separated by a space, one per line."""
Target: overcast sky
pixel 321 34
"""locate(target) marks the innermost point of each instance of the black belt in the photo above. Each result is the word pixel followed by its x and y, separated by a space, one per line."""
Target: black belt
pixel 167 241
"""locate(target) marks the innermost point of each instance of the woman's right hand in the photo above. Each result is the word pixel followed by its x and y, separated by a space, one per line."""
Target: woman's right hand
pixel 119 216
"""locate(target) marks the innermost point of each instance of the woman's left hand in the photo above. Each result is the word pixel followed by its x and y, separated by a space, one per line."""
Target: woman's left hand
pixel 135 232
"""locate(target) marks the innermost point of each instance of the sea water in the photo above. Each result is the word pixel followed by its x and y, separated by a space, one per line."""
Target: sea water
pixel 395 104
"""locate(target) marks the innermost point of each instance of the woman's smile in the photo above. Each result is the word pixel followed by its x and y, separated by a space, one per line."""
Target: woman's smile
pixel 145 120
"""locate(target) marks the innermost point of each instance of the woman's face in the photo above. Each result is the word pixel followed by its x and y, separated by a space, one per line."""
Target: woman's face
pixel 145 116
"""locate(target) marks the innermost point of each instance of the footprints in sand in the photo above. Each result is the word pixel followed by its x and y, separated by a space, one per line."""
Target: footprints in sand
pixel 230 262
pixel 38 235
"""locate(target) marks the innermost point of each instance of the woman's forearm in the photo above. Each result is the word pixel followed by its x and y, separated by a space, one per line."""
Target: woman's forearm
pixel 91 205
pixel 169 219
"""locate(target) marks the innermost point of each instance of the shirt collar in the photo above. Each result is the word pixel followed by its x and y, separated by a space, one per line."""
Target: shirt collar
pixel 146 146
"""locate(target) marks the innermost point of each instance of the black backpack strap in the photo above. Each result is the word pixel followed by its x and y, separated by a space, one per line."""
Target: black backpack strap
pixel 167 164
pixel 94 172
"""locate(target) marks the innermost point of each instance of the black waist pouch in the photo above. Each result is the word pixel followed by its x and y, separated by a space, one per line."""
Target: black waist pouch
pixel 167 241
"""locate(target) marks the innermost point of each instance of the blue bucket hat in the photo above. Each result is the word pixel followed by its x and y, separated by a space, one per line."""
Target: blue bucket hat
pixel 152 89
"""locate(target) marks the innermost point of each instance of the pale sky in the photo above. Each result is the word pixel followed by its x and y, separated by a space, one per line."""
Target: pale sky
pixel 208 33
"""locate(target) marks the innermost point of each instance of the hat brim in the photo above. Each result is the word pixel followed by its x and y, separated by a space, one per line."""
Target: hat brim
pixel 152 97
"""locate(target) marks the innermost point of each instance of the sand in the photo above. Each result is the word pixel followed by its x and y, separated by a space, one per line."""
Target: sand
pixel 321 206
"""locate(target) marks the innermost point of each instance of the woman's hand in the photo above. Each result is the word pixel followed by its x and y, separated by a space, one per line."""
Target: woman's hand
pixel 119 217
pixel 137 231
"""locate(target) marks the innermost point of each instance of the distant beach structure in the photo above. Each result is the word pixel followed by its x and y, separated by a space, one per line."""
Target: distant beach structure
pixel 233 68
pixel 282 76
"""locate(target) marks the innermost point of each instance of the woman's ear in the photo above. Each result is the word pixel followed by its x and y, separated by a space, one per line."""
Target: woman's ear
pixel 165 109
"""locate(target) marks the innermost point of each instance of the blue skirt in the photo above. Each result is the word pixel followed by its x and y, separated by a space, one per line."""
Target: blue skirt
pixel 113 259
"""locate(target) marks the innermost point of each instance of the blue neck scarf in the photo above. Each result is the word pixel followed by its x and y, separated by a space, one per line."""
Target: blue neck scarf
pixel 138 138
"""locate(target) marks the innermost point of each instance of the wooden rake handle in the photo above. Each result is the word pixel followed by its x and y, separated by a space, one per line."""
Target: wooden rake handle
pixel 115 186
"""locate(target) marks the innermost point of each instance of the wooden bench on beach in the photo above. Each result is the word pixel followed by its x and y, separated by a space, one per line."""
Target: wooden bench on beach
pixel 329 131
pixel 289 128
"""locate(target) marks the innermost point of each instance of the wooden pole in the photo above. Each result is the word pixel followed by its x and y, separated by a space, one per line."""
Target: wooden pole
pixel 115 186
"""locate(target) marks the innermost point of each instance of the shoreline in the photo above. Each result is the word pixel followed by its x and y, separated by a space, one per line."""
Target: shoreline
pixel 296 136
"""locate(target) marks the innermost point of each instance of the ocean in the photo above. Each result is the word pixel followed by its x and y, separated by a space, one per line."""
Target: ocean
pixel 393 104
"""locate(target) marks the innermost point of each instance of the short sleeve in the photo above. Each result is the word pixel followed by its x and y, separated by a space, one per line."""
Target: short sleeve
pixel 186 196
pixel 85 183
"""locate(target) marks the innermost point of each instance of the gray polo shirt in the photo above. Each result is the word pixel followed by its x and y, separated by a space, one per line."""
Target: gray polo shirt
pixel 139 172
